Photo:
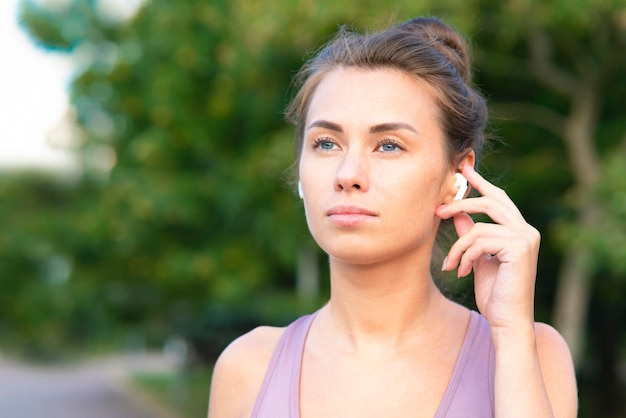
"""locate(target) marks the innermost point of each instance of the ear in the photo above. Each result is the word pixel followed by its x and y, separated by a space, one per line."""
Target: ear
pixel 461 182
pixel 459 189
pixel 468 159
pixel 463 187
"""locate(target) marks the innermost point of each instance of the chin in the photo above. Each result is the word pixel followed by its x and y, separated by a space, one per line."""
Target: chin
pixel 364 251
pixel 360 255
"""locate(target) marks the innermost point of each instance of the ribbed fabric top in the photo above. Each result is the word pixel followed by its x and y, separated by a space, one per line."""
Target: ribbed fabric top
pixel 469 393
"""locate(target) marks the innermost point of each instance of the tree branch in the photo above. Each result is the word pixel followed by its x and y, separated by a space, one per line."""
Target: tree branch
pixel 581 126
pixel 542 66
pixel 500 64
pixel 540 116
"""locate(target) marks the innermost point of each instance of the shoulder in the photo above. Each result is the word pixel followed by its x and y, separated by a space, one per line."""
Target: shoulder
pixel 551 347
pixel 253 348
pixel 557 369
pixel 239 372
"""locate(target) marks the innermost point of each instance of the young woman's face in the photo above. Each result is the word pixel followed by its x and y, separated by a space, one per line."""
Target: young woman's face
pixel 373 166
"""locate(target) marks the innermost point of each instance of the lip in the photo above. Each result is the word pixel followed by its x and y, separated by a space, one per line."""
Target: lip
pixel 350 215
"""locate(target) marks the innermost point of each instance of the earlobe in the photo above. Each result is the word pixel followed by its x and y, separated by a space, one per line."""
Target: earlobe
pixel 461 185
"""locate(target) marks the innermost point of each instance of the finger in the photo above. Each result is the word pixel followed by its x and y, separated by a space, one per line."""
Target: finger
pixel 482 250
pixel 495 210
pixel 463 223
pixel 480 232
pixel 494 202
pixel 486 188
pixel 498 211
pixel 478 182
pixel 499 250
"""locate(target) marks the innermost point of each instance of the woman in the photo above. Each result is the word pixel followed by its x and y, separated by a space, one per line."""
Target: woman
pixel 387 125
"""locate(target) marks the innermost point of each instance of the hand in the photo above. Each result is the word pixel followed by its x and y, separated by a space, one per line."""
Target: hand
pixel 503 254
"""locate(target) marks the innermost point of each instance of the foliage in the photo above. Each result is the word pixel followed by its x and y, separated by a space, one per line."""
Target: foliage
pixel 191 130
pixel 607 237
pixel 184 391
pixel 184 220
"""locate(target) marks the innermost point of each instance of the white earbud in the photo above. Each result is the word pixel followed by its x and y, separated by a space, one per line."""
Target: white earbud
pixel 300 192
pixel 461 183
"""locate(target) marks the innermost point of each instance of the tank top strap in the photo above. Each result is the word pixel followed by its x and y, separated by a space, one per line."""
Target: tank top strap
pixel 470 392
pixel 279 396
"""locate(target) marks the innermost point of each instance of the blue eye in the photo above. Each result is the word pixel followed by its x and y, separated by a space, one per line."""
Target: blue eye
pixel 388 145
pixel 324 143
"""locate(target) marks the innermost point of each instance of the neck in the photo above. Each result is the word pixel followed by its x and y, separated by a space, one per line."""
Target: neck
pixel 383 304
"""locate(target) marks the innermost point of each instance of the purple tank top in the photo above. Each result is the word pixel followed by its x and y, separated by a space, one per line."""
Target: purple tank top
pixel 469 392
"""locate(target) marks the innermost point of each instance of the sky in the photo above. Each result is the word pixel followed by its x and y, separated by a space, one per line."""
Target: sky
pixel 33 93
pixel 33 98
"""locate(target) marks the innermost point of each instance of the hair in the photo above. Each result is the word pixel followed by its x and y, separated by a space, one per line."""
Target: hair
pixel 425 48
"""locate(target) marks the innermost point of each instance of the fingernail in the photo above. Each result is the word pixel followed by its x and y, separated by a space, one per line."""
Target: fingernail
pixel 444 264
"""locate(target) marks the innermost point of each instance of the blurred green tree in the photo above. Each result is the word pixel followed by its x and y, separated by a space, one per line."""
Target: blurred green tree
pixel 184 220
pixel 184 145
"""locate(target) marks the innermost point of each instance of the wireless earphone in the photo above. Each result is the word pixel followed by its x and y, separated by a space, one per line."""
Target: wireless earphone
pixel 461 183
pixel 300 192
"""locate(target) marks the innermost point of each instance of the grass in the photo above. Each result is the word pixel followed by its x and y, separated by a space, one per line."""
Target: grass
pixel 185 392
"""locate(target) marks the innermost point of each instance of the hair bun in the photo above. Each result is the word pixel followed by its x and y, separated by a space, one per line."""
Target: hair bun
pixel 445 39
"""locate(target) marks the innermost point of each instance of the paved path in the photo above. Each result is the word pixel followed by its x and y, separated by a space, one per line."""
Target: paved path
pixel 98 389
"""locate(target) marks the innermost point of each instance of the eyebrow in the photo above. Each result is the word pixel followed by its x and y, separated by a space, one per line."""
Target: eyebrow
pixel 392 126
pixel 327 125
pixel 382 127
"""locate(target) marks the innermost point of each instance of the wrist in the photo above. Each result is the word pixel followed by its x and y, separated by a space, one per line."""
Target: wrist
pixel 519 337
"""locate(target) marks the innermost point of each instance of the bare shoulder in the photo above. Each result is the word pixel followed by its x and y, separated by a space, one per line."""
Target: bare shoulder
pixel 558 371
pixel 239 372
pixel 552 346
pixel 258 343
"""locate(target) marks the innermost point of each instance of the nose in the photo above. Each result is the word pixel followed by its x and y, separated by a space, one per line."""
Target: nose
pixel 353 172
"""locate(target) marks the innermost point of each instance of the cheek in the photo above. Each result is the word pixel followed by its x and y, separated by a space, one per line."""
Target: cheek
pixel 418 188
pixel 307 164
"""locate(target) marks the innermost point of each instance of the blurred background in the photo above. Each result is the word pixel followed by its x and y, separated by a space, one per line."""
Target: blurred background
pixel 146 200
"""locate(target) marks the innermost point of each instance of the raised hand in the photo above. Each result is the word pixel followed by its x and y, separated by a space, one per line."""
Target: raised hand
pixel 503 254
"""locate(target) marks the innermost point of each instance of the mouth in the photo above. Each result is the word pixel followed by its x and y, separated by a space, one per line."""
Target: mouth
pixel 350 215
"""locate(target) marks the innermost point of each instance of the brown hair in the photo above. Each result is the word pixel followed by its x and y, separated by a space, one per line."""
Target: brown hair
pixel 425 48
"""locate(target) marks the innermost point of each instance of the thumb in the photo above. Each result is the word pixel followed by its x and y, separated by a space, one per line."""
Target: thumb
pixel 462 223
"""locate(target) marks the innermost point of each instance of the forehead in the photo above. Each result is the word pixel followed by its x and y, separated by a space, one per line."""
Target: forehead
pixel 373 96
